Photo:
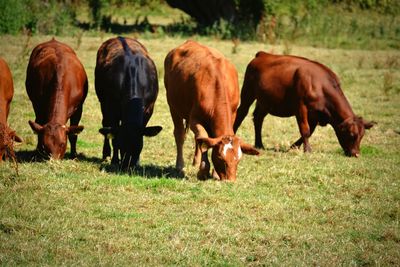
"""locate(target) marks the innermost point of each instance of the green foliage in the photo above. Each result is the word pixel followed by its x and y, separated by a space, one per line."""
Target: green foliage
pixel 13 16
pixel 384 6
pixel 47 17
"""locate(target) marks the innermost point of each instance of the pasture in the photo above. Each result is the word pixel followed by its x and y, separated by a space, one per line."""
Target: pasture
pixel 286 208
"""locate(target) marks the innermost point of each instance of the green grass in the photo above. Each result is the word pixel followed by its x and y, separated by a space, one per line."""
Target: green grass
pixel 286 208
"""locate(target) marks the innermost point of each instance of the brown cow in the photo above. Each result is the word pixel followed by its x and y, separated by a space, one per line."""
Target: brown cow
pixel 202 88
pixel 57 85
pixel 287 86
pixel 7 135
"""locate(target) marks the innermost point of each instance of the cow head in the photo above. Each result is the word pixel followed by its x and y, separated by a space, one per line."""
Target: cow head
pixel 350 132
pixel 7 139
pixel 226 154
pixel 130 141
pixel 52 138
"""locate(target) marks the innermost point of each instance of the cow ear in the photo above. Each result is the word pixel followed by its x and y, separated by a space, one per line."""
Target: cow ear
pixel 37 128
pixel 108 132
pixel 15 137
pixel 152 131
pixel 249 149
pixel 204 143
pixel 75 129
pixel 368 124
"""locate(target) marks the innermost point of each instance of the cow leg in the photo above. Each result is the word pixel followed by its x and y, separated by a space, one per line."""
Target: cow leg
pixel 106 148
pixel 115 157
pixel 179 134
pixel 304 127
pixel 111 118
pixel 74 120
pixel 246 99
pixel 258 119
pixel 198 131
pixel 299 142
pixel 204 169
pixel 200 158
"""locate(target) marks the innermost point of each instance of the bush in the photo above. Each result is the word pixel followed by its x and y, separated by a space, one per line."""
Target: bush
pixel 13 16
pixel 46 17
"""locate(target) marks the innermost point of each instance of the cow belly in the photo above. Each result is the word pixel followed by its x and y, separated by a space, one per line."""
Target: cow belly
pixel 277 106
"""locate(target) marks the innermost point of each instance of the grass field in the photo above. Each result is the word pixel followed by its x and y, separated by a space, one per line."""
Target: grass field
pixel 286 208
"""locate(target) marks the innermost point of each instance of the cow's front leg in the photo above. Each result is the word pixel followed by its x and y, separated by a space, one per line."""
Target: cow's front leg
pixel 74 121
pixel 302 121
pixel 106 148
pixel 115 157
pixel 199 132
pixel 200 158
pixel 299 142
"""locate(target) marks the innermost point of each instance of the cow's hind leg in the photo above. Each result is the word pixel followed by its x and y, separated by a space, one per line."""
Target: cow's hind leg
pixel 246 99
pixel 74 121
pixel 258 119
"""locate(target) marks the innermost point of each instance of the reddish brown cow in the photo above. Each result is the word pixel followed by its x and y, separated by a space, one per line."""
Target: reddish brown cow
pixel 202 88
pixel 7 135
pixel 57 85
pixel 287 86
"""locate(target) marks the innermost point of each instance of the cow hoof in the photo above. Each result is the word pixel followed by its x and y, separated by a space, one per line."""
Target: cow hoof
pixel 215 175
pixel 202 176
pixel 179 173
pixel 294 146
pixel 259 146
pixel 204 171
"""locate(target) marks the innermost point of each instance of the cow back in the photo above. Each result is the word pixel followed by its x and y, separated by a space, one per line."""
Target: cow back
pixel 56 81
pixel 125 71
pixel 201 83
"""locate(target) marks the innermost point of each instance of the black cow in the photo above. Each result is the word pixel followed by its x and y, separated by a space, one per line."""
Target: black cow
pixel 127 87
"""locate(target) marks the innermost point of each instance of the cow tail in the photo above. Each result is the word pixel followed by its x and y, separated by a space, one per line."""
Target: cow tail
pixel 125 45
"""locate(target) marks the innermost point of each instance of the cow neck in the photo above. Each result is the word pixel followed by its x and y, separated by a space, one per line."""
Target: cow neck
pixel 339 108
pixel 3 111
pixel 222 122
pixel 57 109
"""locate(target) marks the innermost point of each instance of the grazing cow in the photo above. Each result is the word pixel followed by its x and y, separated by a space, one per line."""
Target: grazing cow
pixel 127 87
pixel 7 135
pixel 202 89
pixel 287 86
pixel 57 86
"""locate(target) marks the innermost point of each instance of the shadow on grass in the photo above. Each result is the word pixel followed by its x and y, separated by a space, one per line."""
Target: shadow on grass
pixel 177 28
pixel 146 171
pixel 27 156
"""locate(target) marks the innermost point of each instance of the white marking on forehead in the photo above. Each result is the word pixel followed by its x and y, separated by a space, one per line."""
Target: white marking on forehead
pixel 226 147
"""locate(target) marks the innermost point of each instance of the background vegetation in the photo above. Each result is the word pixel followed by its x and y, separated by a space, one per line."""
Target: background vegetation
pixel 327 23
pixel 286 208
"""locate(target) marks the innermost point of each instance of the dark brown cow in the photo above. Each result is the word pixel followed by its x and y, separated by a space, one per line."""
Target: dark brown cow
pixel 7 135
pixel 287 86
pixel 57 85
pixel 202 88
